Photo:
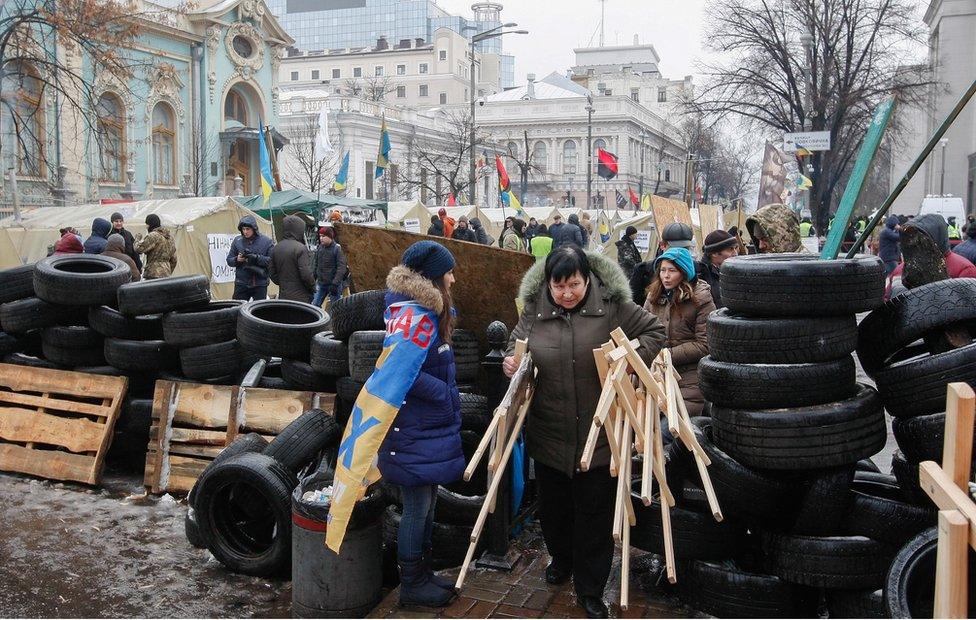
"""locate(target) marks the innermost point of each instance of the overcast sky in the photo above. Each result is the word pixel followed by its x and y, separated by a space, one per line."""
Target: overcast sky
pixel 557 26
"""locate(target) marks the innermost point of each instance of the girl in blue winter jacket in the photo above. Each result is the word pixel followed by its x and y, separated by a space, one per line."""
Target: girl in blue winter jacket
pixel 423 447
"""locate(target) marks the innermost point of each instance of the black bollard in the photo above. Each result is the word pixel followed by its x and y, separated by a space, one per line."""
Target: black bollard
pixel 499 524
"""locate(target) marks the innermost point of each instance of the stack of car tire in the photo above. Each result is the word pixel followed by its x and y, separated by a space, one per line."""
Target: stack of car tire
pixel 805 514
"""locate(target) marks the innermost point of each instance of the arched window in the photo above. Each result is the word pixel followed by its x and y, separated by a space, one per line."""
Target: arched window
pixel 163 145
pixel 667 174
pixel 569 157
pixel 540 156
pixel 111 138
pixel 598 144
pixel 235 108
pixel 22 118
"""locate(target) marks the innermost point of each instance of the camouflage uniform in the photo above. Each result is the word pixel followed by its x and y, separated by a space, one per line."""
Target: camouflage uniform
pixel 777 224
pixel 160 254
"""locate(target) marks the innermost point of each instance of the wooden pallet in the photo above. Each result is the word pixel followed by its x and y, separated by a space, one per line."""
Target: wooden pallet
pixel 192 423
pixel 57 424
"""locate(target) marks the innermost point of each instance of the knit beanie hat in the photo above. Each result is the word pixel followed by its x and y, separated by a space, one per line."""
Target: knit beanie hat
pixel 680 257
pixel 327 231
pixel 718 240
pixel 631 230
pixel 116 217
pixel 152 222
pixel 429 258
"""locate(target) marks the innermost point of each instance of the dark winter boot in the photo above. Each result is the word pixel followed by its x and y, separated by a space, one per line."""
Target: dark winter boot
pixel 440 582
pixel 417 589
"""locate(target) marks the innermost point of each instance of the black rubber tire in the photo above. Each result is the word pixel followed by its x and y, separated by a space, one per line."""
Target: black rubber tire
pixel 80 279
pixel 247 488
pixel 113 324
pixel 906 472
pixel 348 389
pixel 922 438
pixel 910 316
pixel 192 530
pixel 825 503
pixel 211 361
pixel 280 328
pixel 467 355
pixel 140 355
pixel 831 435
pixel 744 494
pixel 73 357
pixel 450 542
pixel 365 348
pixel 778 386
pixel 724 590
pixel 474 412
pixel 164 295
pixel 329 356
pixel 10 343
pixel 917 386
pixel 23 359
pixel 867 465
pixel 17 283
pixel 358 312
pixel 299 442
pixel 794 284
pixel 216 322
pixel 71 337
pixel 849 562
pixel 455 508
pixel 855 604
pixel 749 340
pixel 909 589
pixel 696 535
pixel 130 435
pixel 248 442
pixel 342 409
pixel 301 376
pixel 877 512
pixel 24 315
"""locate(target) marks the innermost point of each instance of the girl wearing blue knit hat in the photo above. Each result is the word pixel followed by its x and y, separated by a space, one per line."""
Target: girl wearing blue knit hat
pixel 682 303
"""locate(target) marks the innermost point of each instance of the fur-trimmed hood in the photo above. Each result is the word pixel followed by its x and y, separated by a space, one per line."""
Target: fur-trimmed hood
pixel 405 281
pixel 614 283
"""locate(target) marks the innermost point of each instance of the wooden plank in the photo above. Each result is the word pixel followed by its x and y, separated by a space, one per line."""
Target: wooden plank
pixel 957 453
pixel 75 434
pixel 183 471
pixel 24 379
pixel 650 415
pixel 194 436
pixel 205 406
pixel 191 450
pixel 52 464
pixel 29 400
pixel 270 411
pixel 114 405
pixel 162 395
pixel 947 496
pixel 952 566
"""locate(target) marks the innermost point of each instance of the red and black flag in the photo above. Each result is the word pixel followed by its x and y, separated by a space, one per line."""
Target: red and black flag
pixel 634 200
pixel 607 167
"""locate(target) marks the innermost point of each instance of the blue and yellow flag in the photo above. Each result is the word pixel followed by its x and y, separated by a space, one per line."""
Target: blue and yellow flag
pixel 646 202
pixel 340 181
pixel 410 329
pixel 383 156
pixel 604 227
pixel 267 178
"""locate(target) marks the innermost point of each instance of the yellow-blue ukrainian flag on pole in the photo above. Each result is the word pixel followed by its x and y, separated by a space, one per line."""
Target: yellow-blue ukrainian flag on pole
pixel 383 156
pixel 266 176
pixel 340 180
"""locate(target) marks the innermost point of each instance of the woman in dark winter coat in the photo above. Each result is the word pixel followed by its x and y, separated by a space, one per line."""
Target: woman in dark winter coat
pixel 95 244
pixel 628 256
pixel 436 228
pixel 572 302
pixel 291 263
pixel 682 302
pixel 423 447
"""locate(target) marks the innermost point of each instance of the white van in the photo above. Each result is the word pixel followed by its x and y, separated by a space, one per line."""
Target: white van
pixel 947 206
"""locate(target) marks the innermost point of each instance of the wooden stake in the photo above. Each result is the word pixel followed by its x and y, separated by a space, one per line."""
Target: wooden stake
pixel 625 550
pixel 650 413
pixel 957 453
pixel 482 446
pixel 952 566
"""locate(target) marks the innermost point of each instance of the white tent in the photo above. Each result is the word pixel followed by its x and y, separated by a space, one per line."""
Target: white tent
pixel 454 212
pixel 646 235
pixel 408 211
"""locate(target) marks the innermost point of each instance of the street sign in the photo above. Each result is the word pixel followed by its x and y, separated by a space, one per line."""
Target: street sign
pixel 810 140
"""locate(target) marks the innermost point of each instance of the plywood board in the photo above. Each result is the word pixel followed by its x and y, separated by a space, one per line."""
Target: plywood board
pixel 487 277
pixel 57 424
pixel 708 216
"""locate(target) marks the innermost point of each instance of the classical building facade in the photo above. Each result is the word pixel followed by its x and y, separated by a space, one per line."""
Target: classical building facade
pixel 411 73
pixel 186 123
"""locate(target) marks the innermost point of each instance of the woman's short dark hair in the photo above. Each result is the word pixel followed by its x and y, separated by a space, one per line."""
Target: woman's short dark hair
pixel 563 263
pixel 434 219
pixel 518 225
pixel 542 230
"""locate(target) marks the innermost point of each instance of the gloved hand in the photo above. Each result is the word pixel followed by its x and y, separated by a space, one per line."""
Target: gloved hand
pixel 251 259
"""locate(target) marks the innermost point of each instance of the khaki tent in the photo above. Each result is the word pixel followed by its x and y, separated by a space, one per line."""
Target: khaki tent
pixel 644 223
pixel 456 212
pixel 202 229
pixel 401 211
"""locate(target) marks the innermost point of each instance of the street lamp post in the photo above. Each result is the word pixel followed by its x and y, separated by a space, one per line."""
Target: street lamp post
pixel 478 38
pixel 589 151
pixel 944 142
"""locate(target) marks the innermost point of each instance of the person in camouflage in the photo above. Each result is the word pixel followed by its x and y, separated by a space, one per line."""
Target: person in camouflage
pixel 159 249
pixel 775 230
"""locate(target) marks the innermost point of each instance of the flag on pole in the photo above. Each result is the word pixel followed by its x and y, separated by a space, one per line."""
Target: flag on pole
pixel 265 160
pixel 503 181
pixel 621 200
pixel 322 145
pixel 634 200
pixel 646 203
pixel 607 167
pixel 604 227
pixel 383 156
pixel 803 182
pixel 411 328
pixel 340 180
pixel 451 200
pixel 802 151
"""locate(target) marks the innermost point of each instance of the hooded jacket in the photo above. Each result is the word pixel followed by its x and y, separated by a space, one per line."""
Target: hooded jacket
pixel 291 263
pixel 778 225
pixel 257 253
pixel 331 268
pixel 436 228
pixel 967 249
pixel 115 247
pixel 68 244
pixel 568 234
pixel 567 385
pixel 160 254
pixel 479 230
pixel 423 446
pixel 628 256
pixel 95 244
pixel 888 241
pixel 465 234
pixel 934 226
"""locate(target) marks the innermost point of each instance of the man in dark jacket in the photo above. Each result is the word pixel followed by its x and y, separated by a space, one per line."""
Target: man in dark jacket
pixel 888 250
pixel 569 233
pixel 531 230
pixel 967 249
pixel 436 227
pixel 462 232
pixel 331 268
pixel 250 253
pixel 557 224
pixel 628 255
pixel 291 263
pixel 719 247
pixel 480 232
pixel 921 264
pixel 118 226
pixel 95 244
